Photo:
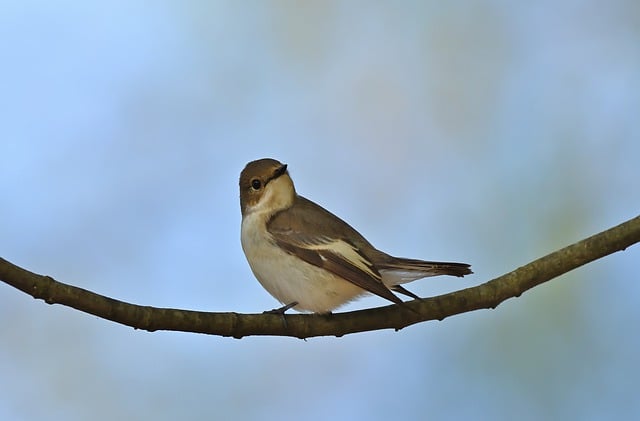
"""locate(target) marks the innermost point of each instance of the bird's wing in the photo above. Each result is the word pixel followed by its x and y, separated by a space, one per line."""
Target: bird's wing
pixel 309 232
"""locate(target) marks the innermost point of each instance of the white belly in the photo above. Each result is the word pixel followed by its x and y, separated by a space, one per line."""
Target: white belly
pixel 288 278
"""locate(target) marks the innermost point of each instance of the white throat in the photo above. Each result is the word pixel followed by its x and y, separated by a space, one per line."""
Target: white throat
pixel 279 194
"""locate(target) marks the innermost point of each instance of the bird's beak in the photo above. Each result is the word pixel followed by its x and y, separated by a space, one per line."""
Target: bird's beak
pixel 280 171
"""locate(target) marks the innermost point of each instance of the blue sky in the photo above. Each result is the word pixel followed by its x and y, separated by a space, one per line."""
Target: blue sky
pixel 490 133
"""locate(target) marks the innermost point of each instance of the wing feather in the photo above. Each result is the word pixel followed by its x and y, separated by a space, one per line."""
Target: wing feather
pixel 312 235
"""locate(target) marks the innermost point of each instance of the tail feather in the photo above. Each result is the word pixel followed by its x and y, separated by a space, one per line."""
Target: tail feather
pixel 401 270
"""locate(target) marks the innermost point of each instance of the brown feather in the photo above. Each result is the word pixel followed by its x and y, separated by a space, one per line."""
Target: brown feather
pixel 302 225
pixel 433 268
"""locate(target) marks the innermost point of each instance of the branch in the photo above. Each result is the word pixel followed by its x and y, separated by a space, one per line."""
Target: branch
pixel 487 295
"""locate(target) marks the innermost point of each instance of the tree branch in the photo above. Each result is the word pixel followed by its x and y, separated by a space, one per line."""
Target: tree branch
pixel 487 295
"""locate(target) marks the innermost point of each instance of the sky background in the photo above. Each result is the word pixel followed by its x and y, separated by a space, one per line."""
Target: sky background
pixel 484 132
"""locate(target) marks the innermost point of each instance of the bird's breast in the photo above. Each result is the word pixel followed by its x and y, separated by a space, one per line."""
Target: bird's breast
pixel 287 277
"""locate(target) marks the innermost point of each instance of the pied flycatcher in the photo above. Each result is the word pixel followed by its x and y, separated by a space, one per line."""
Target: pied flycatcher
pixel 309 259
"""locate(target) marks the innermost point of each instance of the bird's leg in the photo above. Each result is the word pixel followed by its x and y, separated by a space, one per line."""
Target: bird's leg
pixel 282 309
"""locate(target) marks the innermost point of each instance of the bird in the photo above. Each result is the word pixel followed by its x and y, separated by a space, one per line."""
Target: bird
pixel 309 259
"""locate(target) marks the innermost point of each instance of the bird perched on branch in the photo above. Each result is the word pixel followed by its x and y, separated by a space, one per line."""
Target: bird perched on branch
pixel 308 258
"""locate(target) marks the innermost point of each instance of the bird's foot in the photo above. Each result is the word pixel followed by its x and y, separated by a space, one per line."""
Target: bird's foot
pixel 282 309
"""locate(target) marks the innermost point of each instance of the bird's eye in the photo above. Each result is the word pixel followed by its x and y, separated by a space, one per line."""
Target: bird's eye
pixel 256 184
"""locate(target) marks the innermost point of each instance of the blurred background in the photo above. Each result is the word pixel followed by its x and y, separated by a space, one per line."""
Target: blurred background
pixel 484 132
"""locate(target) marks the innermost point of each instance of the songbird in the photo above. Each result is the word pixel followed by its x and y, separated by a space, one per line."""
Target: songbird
pixel 309 259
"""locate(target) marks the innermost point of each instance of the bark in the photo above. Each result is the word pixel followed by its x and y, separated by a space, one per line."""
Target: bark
pixel 487 295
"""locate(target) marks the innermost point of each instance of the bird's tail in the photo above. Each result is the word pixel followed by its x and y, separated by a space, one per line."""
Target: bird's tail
pixel 399 270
